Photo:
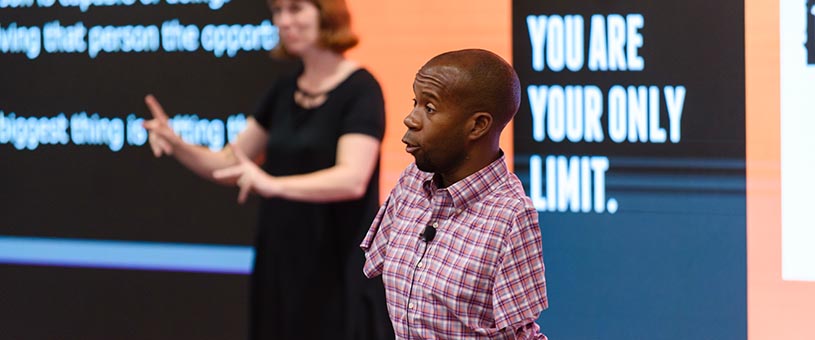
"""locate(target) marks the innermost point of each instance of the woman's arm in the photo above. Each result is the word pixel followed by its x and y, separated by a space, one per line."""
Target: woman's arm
pixel 357 156
pixel 201 160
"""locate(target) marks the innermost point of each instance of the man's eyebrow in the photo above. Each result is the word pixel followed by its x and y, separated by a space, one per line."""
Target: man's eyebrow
pixel 425 93
pixel 430 95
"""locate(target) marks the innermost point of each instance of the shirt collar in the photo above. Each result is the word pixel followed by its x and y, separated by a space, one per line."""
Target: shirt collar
pixel 473 187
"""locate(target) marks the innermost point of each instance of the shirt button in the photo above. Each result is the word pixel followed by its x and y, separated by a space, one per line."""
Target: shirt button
pixel 411 305
pixel 420 265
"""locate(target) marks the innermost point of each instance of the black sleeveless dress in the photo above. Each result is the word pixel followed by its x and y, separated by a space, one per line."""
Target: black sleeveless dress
pixel 307 281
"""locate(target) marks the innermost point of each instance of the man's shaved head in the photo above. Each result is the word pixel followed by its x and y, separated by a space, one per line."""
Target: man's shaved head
pixel 462 102
pixel 480 81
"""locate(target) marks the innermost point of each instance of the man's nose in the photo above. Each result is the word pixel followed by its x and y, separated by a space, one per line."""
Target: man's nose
pixel 411 121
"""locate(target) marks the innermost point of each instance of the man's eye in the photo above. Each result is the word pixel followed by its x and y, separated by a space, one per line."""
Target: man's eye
pixel 430 108
pixel 414 102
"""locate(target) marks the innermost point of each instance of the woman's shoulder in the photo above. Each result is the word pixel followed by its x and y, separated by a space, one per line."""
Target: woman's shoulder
pixel 361 78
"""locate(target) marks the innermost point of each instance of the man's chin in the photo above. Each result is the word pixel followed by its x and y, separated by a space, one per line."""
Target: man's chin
pixel 423 166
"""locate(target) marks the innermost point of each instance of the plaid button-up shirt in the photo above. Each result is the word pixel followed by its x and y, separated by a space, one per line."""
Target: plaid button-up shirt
pixel 481 277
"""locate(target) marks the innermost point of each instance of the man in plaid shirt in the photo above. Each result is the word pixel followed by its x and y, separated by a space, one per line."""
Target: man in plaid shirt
pixel 457 242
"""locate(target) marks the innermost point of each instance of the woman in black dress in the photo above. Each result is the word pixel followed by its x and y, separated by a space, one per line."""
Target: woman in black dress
pixel 320 126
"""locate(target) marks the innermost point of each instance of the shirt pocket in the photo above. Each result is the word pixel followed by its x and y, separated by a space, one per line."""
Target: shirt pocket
pixel 467 265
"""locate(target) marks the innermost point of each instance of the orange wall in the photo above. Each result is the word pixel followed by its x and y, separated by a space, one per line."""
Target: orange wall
pixel 776 309
pixel 398 37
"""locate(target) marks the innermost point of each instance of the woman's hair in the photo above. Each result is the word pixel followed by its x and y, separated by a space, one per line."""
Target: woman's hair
pixel 335 28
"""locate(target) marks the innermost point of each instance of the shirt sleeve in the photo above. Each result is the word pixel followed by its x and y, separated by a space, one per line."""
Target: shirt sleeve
pixel 366 112
pixel 519 294
pixel 530 331
pixel 375 244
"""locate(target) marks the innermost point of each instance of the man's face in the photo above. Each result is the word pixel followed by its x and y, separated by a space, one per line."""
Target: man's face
pixel 436 134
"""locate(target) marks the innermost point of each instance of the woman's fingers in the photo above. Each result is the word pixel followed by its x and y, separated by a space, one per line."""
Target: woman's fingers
pixel 230 172
pixel 242 177
pixel 160 135
pixel 246 188
pixel 165 146
pixel 239 155
pixel 152 140
pixel 242 173
pixel 155 108
pixel 159 144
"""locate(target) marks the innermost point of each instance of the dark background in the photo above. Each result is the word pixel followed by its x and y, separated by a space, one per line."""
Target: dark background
pixel 90 192
pixel 671 262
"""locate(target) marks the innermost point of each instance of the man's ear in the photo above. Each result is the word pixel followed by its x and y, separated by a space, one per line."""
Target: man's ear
pixel 481 125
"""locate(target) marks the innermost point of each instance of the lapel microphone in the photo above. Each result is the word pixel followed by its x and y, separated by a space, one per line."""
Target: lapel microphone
pixel 429 233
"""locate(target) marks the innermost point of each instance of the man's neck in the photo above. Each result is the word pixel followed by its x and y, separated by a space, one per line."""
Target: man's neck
pixel 473 164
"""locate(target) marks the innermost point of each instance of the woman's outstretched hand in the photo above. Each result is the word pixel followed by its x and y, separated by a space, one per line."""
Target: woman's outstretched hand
pixel 161 136
pixel 247 175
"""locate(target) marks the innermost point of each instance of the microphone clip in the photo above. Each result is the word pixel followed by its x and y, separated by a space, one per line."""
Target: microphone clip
pixel 429 233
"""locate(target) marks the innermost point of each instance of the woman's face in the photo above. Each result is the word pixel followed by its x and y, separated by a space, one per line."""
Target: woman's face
pixel 299 24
